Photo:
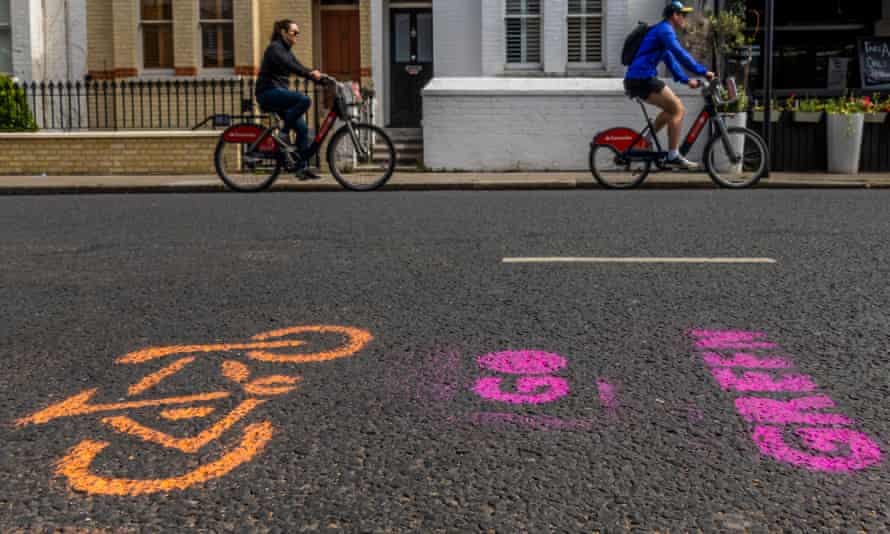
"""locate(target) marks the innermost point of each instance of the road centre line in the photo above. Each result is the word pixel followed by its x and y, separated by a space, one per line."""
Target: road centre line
pixel 570 259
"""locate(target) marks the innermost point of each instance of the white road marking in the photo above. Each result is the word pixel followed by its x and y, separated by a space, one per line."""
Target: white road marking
pixel 570 259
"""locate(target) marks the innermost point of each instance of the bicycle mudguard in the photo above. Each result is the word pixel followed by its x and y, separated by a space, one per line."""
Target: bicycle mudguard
pixel 621 139
pixel 249 133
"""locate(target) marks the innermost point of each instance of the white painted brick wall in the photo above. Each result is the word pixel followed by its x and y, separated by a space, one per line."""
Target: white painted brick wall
pixel 493 45
pixel 503 124
pixel 617 26
pixel 457 35
pixel 555 35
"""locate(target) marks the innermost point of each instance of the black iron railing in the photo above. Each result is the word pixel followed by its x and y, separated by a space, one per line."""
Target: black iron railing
pixel 146 104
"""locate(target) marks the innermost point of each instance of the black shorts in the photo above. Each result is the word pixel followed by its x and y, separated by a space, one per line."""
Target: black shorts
pixel 643 88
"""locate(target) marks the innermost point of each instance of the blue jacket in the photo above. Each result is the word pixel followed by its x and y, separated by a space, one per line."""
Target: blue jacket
pixel 661 44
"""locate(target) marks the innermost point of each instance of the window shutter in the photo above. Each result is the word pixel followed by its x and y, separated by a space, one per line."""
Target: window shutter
pixel 523 31
pixel 585 31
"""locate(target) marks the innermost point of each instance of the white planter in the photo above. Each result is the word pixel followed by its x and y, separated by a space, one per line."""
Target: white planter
pixel 774 116
pixel 845 142
pixel 876 118
pixel 807 116
pixel 721 158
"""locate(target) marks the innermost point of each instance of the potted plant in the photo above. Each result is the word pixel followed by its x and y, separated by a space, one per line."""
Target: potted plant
pixel 808 110
pixel 875 109
pixel 846 121
pixel 775 108
pixel 735 113
pixel 732 47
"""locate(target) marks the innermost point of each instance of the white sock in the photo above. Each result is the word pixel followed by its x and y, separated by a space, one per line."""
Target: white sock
pixel 673 154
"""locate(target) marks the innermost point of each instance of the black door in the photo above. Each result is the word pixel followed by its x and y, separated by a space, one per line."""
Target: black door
pixel 411 65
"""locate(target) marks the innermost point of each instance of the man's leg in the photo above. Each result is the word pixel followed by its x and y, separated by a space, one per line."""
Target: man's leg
pixel 672 115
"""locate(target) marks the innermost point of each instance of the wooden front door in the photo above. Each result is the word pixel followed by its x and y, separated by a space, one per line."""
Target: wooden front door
pixel 341 44
pixel 411 66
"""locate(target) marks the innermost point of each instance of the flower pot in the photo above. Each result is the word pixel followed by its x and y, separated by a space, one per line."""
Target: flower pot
pixel 807 116
pixel 876 118
pixel 774 116
pixel 845 142
pixel 721 158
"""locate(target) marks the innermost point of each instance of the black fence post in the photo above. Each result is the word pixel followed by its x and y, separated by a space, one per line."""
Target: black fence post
pixel 767 55
pixel 79 110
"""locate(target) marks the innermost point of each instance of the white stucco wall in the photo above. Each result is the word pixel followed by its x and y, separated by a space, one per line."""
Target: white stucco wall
pixel 47 45
pixel 504 124
pixel 457 37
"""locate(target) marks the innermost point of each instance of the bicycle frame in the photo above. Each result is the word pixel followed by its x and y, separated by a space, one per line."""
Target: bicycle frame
pixel 340 110
pixel 707 115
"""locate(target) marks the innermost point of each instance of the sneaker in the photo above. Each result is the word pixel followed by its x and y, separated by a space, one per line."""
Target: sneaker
pixel 681 163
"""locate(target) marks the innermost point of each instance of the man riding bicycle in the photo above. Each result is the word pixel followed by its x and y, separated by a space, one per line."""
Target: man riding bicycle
pixel 273 88
pixel 641 81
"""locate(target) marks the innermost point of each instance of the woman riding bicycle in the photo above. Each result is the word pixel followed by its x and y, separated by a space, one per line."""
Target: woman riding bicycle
pixel 273 88
pixel 641 81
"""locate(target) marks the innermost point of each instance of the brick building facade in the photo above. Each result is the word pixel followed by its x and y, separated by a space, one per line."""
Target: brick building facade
pixel 221 38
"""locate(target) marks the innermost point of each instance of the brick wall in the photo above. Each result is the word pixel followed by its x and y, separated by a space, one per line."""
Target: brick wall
pixel 100 36
pixel 108 153
pixel 124 36
pixel 457 38
pixel 504 124
pixel 365 29
pixel 186 38
pixel 493 31
pixel 248 35
pixel 113 35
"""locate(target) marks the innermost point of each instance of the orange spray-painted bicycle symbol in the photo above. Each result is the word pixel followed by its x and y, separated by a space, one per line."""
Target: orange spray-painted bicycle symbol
pixel 78 464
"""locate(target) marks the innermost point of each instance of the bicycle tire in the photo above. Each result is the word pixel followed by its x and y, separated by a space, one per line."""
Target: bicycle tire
pixel 373 135
pixel 760 146
pixel 230 180
pixel 602 175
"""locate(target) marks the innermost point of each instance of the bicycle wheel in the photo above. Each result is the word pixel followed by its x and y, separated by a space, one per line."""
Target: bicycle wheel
pixel 747 172
pixel 613 171
pixel 243 171
pixel 364 162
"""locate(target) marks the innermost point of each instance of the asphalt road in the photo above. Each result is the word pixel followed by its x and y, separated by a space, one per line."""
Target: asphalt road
pixel 432 387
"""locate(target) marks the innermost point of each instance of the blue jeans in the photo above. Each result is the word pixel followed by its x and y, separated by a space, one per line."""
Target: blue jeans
pixel 291 105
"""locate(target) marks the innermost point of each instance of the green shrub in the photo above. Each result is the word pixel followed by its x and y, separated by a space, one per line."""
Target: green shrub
pixel 14 113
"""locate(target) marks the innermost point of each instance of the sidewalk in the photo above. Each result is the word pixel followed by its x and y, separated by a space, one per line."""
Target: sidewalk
pixel 11 185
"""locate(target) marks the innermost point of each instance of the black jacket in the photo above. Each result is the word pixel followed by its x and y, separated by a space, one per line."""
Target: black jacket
pixel 278 65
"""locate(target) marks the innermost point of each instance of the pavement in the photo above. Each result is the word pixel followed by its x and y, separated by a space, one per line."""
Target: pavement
pixel 10 185
pixel 370 363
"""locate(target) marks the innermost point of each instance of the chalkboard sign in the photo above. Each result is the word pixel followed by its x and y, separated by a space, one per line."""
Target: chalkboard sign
pixel 874 62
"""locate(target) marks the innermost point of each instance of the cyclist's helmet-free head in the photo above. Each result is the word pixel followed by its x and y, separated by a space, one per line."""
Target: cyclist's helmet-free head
pixel 676 6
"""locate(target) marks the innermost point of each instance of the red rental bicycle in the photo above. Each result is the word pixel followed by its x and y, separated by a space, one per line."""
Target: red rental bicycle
pixel 250 157
pixel 735 157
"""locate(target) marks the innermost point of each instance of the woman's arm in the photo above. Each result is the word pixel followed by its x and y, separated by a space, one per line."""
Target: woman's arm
pixel 285 59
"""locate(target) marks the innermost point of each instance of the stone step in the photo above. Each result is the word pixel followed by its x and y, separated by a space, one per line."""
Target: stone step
pixel 398 134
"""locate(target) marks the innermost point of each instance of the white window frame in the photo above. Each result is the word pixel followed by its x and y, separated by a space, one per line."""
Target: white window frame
pixel 529 66
pixel 214 71
pixel 8 27
pixel 155 72
pixel 583 16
